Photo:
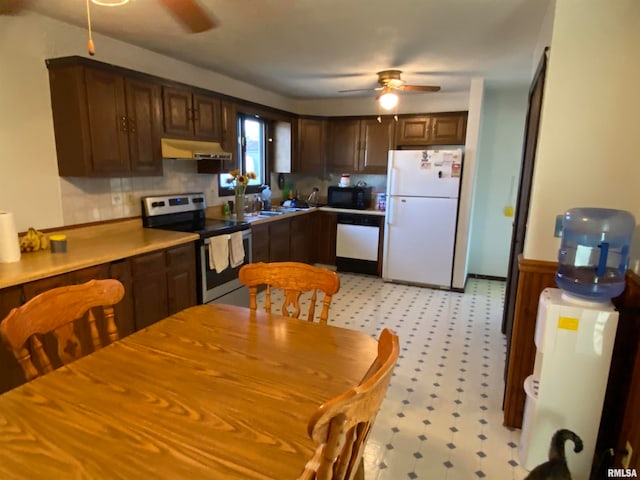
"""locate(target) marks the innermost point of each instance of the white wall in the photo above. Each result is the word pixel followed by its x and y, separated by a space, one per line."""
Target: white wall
pixel 498 167
pixel 588 142
pixel 408 103
pixel 29 182
pixel 469 172
pixel 28 169
pixel 544 36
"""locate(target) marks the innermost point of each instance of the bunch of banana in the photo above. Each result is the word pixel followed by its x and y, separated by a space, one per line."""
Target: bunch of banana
pixel 33 240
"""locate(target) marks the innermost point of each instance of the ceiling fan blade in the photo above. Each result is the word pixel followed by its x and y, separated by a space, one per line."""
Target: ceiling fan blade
pixel 419 88
pixel 191 15
pixel 13 7
pixel 358 90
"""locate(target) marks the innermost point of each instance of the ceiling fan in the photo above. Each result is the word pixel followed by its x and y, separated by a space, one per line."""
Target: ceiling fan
pixel 188 13
pixel 390 80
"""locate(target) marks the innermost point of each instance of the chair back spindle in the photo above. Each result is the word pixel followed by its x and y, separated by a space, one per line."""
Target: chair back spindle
pixel 294 279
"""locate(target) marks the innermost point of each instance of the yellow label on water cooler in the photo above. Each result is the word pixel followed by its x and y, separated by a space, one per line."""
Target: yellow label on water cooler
pixel 568 323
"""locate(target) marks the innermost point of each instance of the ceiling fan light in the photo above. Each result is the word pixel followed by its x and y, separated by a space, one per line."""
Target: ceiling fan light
pixel 388 100
pixel 110 3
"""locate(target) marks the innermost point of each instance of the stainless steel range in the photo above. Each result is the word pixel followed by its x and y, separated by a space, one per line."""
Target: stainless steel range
pixel 185 212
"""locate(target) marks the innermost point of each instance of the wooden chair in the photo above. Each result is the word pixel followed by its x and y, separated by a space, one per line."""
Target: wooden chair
pixel 54 312
pixel 294 278
pixel 341 426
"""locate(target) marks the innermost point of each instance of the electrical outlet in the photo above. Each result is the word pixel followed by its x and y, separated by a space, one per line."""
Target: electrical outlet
pixel 626 458
pixel 116 199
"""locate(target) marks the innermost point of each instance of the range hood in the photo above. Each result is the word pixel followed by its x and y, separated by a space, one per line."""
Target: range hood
pixel 192 150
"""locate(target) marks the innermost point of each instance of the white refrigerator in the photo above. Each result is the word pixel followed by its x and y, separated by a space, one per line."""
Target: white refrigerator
pixel 420 222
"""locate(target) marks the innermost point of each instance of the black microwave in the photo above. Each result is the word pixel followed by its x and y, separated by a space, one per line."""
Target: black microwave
pixel 358 198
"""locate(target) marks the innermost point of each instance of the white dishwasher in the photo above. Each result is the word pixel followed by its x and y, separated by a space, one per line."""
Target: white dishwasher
pixel 357 243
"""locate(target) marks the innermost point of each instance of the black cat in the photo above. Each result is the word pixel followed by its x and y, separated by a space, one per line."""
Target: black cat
pixel 556 467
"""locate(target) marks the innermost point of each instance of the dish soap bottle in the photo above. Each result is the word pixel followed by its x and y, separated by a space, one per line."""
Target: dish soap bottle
pixel 266 198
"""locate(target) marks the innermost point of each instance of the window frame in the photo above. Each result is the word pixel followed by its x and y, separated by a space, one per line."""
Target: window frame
pixel 224 191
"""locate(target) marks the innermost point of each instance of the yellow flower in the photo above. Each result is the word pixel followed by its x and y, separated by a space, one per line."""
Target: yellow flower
pixel 240 181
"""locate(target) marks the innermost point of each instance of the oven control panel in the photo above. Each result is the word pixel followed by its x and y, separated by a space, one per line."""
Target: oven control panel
pixel 166 204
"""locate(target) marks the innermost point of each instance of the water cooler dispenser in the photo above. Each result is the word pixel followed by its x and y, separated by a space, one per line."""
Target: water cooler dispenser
pixel 574 336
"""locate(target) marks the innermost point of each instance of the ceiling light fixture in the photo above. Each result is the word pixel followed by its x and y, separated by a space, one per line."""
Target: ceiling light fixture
pixel 388 99
pixel 110 3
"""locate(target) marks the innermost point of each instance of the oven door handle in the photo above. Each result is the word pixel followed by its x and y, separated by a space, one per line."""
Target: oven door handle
pixel 245 234
pixel 207 241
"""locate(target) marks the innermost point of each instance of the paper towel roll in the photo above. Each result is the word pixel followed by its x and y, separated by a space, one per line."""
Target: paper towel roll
pixel 9 246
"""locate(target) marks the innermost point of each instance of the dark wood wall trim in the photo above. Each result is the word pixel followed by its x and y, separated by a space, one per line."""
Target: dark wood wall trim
pixel 620 415
pixel 624 379
pixel 534 277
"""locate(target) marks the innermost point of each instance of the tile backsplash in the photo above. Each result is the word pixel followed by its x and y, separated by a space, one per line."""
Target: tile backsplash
pixel 87 200
pixel 96 199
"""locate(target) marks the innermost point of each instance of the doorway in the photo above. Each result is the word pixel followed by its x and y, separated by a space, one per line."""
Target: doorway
pixel 530 144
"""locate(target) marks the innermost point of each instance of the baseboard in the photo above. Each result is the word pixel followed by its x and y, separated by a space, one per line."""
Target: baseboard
pixel 487 277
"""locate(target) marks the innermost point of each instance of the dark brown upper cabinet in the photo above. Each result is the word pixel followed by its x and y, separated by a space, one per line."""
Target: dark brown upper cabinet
pixel 310 151
pixel 360 145
pixel 344 145
pixel 190 114
pixel 435 129
pixel 106 123
pixel 228 141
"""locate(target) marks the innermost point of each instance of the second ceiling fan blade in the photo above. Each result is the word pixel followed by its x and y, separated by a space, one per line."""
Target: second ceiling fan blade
pixel 419 88
pixel 190 14
pixel 357 90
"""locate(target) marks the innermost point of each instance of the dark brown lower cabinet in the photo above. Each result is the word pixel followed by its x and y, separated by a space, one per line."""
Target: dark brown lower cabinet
pixel 324 229
pixel 279 241
pixel 301 239
pixel 10 371
pixel 164 283
pixel 149 288
pixel 284 240
pixel 156 285
pixel 260 242
pixel 181 278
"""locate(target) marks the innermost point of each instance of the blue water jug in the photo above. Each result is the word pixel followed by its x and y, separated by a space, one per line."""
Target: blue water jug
pixel 594 252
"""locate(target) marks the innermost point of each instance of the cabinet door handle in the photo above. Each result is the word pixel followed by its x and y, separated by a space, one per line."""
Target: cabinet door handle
pixel 195 114
pixel 132 125
pixel 123 123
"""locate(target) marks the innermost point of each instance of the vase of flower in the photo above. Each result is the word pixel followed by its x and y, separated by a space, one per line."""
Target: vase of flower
pixel 239 183
pixel 239 205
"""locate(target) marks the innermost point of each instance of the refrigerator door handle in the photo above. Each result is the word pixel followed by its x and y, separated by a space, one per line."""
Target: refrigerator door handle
pixel 389 216
pixel 392 181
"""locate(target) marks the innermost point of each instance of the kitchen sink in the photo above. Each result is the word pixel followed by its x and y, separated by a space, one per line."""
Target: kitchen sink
pixel 270 213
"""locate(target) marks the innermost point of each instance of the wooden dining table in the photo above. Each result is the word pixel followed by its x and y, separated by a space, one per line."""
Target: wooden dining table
pixel 212 392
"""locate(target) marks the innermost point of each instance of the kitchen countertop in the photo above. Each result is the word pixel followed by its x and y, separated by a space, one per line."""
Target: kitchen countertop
pixel 98 244
pixel 370 211
pixel 214 213
pixel 89 246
